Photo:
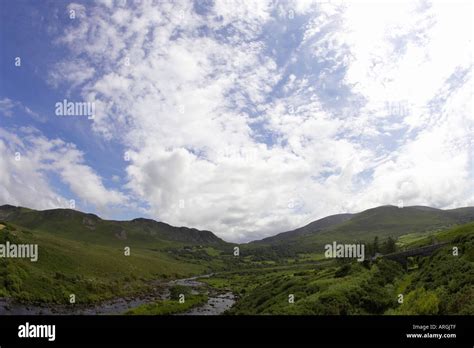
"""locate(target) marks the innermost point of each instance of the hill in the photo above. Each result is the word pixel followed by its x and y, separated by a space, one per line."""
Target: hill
pixel 84 255
pixel 312 228
pixel 436 284
pixel 89 227
pixel 381 221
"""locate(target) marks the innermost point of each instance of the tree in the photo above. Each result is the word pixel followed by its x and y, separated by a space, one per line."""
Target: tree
pixel 376 248
pixel 390 246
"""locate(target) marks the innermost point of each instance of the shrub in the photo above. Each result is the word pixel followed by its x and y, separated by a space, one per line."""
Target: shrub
pixel 420 301
pixel 177 290
pixel 343 271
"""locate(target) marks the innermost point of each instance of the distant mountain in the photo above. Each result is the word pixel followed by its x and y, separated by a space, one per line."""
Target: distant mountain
pixel 89 227
pixel 383 221
pixel 310 229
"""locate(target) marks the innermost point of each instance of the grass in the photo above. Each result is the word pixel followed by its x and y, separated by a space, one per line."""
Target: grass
pixel 438 284
pixel 450 234
pixel 92 272
pixel 411 239
pixel 167 307
pixel 383 222
pixel 92 265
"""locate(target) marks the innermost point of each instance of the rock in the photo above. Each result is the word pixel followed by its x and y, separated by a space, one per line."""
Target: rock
pixel 122 235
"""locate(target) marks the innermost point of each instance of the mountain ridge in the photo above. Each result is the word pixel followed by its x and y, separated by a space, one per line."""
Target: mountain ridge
pixel 412 219
pixel 85 223
pixel 383 221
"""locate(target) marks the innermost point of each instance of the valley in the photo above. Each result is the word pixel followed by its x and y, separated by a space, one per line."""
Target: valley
pixel 176 270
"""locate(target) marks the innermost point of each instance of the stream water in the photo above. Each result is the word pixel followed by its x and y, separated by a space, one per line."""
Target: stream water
pixel 217 303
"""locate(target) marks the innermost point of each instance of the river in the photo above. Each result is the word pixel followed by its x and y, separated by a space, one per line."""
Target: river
pixel 217 303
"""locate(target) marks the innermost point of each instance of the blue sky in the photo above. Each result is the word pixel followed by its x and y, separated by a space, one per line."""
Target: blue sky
pixel 246 118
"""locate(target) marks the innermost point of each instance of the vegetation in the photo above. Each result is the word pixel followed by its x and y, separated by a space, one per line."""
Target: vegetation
pixel 441 284
pixel 169 306
pixel 92 272
pixel 83 255
pixel 381 222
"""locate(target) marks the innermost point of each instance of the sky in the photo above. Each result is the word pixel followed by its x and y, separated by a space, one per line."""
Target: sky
pixel 246 118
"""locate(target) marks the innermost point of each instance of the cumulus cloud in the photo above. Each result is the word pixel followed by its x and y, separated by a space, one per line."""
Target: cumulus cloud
pixel 250 118
pixel 28 159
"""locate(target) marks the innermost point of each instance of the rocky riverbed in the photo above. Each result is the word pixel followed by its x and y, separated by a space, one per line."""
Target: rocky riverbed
pixel 217 303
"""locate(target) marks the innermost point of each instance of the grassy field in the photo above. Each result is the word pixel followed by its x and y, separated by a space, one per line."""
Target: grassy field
pixel 92 272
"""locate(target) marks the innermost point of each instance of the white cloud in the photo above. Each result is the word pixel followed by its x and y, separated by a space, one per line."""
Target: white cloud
pixel 76 10
pixel 8 107
pixel 27 161
pixel 197 100
pixel 71 74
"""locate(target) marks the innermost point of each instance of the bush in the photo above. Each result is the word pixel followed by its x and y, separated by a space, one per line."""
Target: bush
pixel 13 283
pixel 343 271
pixel 462 302
pixel 332 304
pixel 177 290
pixel 420 301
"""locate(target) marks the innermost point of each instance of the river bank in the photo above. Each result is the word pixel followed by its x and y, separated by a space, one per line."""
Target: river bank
pixel 217 302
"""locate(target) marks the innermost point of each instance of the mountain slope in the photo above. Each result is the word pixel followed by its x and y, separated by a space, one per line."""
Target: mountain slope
pixel 76 225
pixel 84 255
pixel 440 283
pixel 312 228
pixel 382 221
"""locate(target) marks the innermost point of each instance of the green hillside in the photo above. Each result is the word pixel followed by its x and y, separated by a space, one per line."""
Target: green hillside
pixel 382 222
pixel 84 255
pixel 438 284
pixel 89 227
pixel 314 227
